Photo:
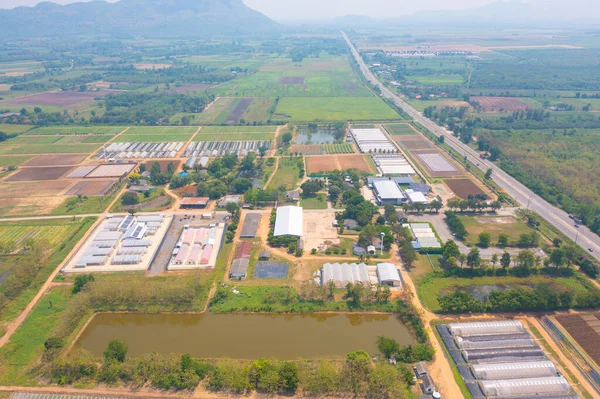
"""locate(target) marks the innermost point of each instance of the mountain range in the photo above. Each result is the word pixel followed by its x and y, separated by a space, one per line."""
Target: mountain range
pixel 164 18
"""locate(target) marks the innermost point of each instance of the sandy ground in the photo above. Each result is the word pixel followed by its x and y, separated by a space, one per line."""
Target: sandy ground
pixel 318 229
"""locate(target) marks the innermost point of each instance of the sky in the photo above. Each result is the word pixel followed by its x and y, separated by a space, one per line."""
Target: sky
pixel 320 9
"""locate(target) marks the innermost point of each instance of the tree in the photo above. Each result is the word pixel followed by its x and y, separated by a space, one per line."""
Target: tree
pixel 311 187
pixel 525 259
pixel 130 198
pixel 289 376
pixel 241 185
pixel 473 258
pixel 387 346
pixel 80 281
pixel 505 260
pixel 116 350
pixel 286 137
pixel 488 174
pixel 450 250
pixel 232 208
pixel 503 240
pixel 462 258
pixel 485 239
pixel 557 257
pixel 494 260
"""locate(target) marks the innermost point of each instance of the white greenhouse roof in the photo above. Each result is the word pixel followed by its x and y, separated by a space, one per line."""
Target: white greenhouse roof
pixel 415 196
pixel 506 371
pixel 486 327
pixel 388 189
pixel 387 272
pixel 526 386
pixel 343 273
pixel 289 221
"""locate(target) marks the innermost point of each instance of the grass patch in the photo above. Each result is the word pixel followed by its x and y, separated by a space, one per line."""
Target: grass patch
pixel 162 130
pixel 287 173
pixel 76 206
pixel 203 136
pixel 157 201
pixel 69 130
pixel 14 161
pixel 153 138
pixel 11 129
pixel 259 110
pixel 334 108
pixel 400 129
pixel 238 129
pixel 475 227
pixel 318 201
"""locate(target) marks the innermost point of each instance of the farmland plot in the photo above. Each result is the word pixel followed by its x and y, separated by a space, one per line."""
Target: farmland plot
pixel 15 233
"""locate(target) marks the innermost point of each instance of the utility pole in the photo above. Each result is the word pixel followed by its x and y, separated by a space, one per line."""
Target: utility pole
pixel 528 202
pixel 382 235
pixel 576 237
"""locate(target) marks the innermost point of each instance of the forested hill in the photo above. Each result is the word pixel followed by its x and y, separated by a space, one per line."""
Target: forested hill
pixel 152 18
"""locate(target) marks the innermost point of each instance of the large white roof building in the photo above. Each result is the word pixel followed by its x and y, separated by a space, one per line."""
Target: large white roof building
pixel 372 141
pixel 388 192
pixel 289 221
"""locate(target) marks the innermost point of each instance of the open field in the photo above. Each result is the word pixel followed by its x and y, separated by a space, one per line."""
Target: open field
pixel 54 160
pixel 463 187
pixel 191 88
pixel 236 113
pixel 233 136
pixel 306 149
pixel 34 174
pixel 57 99
pixel 49 148
pixel 498 104
pixel 318 201
pixel 400 129
pixel 91 187
pixel 413 142
pixel 10 129
pixel 438 79
pixel 495 225
pixel 153 138
pixel 31 198
pixel 259 110
pixel 51 231
pixel 287 173
pixel 328 163
pixel 238 129
pixel 215 109
pixel 420 105
pixel 334 108
pixel 13 160
pixel 35 139
pixel 75 130
pixel 161 130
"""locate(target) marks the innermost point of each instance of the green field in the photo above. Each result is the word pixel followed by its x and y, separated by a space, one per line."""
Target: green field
pixel 11 129
pixel 510 226
pixel 234 136
pixel 259 110
pixel 68 130
pixel 15 233
pixel 14 160
pixel 238 129
pixel 400 129
pixel 34 140
pixel 438 79
pixel 338 148
pixel 76 206
pixel 214 111
pixel 152 138
pixel 161 130
pixel 334 109
pixel 287 174
pixel 97 139
pixel 318 201
pixel 49 149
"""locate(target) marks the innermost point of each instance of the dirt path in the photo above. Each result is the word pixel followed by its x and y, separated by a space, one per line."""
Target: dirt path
pixel 186 145
pixel 273 174
pixel 117 392
pixel 440 368
pixel 583 385
pixel 16 323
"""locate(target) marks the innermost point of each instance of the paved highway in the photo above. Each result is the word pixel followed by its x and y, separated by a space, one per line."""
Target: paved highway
pixel 524 196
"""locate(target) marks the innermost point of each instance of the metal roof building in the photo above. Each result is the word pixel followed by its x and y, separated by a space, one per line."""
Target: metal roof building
pixel 415 197
pixel 499 355
pixel 486 327
pixel 526 386
pixel 387 274
pixel 250 225
pixel 289 221
pixel 388 192
pixel 239 268
pixel 393 165
pixel 270 270
pixel 344 273
pixel 508 371
pixel 507 343
pixel 372 140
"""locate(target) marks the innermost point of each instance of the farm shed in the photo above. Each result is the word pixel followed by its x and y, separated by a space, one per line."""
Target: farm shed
pixel 486 327
pixel 136 243
pixel 350 224
pixel 239 269
pixel 270 270
pixel 387 274
pixel 503 355
pixel 87 260
pixel 194 203
pixel 427 384
pixel 415 197
pixel 292 196
pixel 264 255
pixel 126 260
pixel 507 371
pixel 250 225
pixel 387 192
pixel 289 221
pixel 507 343
pixel 98 251
pixel 344 273
pixel 421 369
pixel 399 180
pixel 527 386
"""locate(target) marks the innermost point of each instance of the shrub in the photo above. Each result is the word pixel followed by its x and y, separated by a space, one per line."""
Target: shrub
pixel 116 350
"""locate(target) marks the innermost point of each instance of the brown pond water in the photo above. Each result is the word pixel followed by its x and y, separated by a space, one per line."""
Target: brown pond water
pixel 243 336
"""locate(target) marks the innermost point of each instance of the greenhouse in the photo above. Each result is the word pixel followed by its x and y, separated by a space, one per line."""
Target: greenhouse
pixel 489 327
pixel 503 355
pixel 507 371
pixel 507 343
pixel 496 337
pixel 526 386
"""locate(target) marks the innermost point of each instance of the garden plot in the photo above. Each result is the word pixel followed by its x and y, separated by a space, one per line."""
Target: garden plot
pixel 58 98
pixel 413 142
pixel 34 174
pixel 219 148
pixel 14 234
pixel 91 188
pixel 463 187
pixel 236 114
pixel 56 160
pixel 140 150
pixel 585 330
pixel 498 104
pixel 306 149
pixel 328 163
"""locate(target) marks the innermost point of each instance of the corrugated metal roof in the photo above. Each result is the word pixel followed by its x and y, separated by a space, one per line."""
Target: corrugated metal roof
pixel 525 386
pixel 388 189
pixel 289 221
pixel 506 371
pixel 387 272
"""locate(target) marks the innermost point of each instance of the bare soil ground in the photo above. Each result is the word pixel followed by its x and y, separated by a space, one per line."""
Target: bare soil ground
pixel 413 142
pixel 585 329
pixel 306 149
pixel 34 174
pixel 318 229
pixel 463 187
pixel 357 162
pixel 499 104
pixel 164 165
pixel 31 198
pixel 91 188
pixel 431 173
pixel 328 163
pixel 236 115
pixel 429 47
pixel 34 189
pixel 290 80
pixel 152 66
pixel 59 98
pixel 55 160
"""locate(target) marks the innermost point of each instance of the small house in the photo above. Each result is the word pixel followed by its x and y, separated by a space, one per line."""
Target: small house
pixel 420 369
pixel 427 385
pixel 264 255
pixel 292 196
pixel 371 250
pixel 350 224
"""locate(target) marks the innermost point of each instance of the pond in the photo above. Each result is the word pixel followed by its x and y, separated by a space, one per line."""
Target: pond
pixel 243 336
pixel 319 136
